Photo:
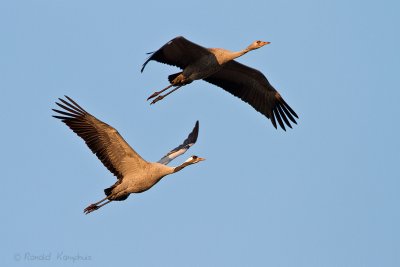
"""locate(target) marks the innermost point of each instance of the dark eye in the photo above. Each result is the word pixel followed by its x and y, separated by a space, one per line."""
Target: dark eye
pixel 258 42
pixel 194 157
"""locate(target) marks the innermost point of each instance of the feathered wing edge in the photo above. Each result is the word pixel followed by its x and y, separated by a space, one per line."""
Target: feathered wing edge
pixel 181 149
pixel 102 139
pixel 252 87
pixel 178 52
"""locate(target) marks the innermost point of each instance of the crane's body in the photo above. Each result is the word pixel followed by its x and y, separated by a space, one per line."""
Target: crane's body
pixel 201 69
pixel 217 66
pixel 134 174
pixel 208 64
pixel 138 182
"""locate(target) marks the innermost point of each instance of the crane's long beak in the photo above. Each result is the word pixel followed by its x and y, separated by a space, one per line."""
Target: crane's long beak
pixel 200 159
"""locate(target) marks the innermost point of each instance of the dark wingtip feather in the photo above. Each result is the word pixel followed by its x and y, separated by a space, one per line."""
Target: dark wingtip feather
pixel 144 65
pixel 76 108
pixel 283 116
pixel 68 109
pixel 63 113
pixel 278 117
pixel 289 108
pixel 272 118
pixel 195 132
pixel 60 117
pixel 147 61
pixel 288 114
pixel 76 104
pixel 142 69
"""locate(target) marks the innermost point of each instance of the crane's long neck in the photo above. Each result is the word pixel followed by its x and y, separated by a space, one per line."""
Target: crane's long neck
pixel 240 53
pixel 180 167
pixel 223 56
pixel 230 55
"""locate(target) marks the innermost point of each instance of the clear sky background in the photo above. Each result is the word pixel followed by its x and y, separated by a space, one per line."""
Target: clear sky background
pixel 325 193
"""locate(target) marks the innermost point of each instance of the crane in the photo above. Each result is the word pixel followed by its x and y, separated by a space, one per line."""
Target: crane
pixel 134 174
pixel 217 66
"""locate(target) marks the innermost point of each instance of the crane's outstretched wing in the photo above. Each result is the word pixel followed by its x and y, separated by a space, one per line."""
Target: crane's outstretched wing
pixel 252 86
pixel 178 52
pixel 104 141
pixel 181 149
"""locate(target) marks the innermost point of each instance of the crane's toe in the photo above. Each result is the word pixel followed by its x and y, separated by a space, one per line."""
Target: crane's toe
pixel 157 99
pixel 153 95
pixel 90 208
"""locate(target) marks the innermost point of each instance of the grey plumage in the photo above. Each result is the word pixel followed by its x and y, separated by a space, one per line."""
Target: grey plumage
pixel 217 66
pixel 134 174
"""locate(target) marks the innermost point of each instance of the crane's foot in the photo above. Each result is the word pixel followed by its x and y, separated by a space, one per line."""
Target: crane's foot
pixel 153 95
pixel 157 99
pixel 90 208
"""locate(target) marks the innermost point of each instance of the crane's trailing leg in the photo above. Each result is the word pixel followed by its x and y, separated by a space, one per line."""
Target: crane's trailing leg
pixel 162 96
pixel 159 92
pixel 95 206
pixel 177 79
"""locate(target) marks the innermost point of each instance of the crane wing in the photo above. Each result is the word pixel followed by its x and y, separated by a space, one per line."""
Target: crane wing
pixel 178 52
pixel 252 86
pixel 181 149
pixel 104 141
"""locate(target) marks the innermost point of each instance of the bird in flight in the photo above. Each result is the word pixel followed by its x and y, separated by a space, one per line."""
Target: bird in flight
pixel 134 174
pixel 217 66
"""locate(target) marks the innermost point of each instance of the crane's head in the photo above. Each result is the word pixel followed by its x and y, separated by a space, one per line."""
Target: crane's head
pixel 193 160
pixel 189 161
pixel 257 44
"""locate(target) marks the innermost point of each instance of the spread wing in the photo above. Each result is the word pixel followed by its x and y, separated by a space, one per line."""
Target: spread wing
pixel 104 141
pixel 178 52
pixel 181 149
pixel 252 86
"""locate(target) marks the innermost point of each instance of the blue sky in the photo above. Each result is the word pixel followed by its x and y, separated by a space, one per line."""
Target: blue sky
pixel 325 193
